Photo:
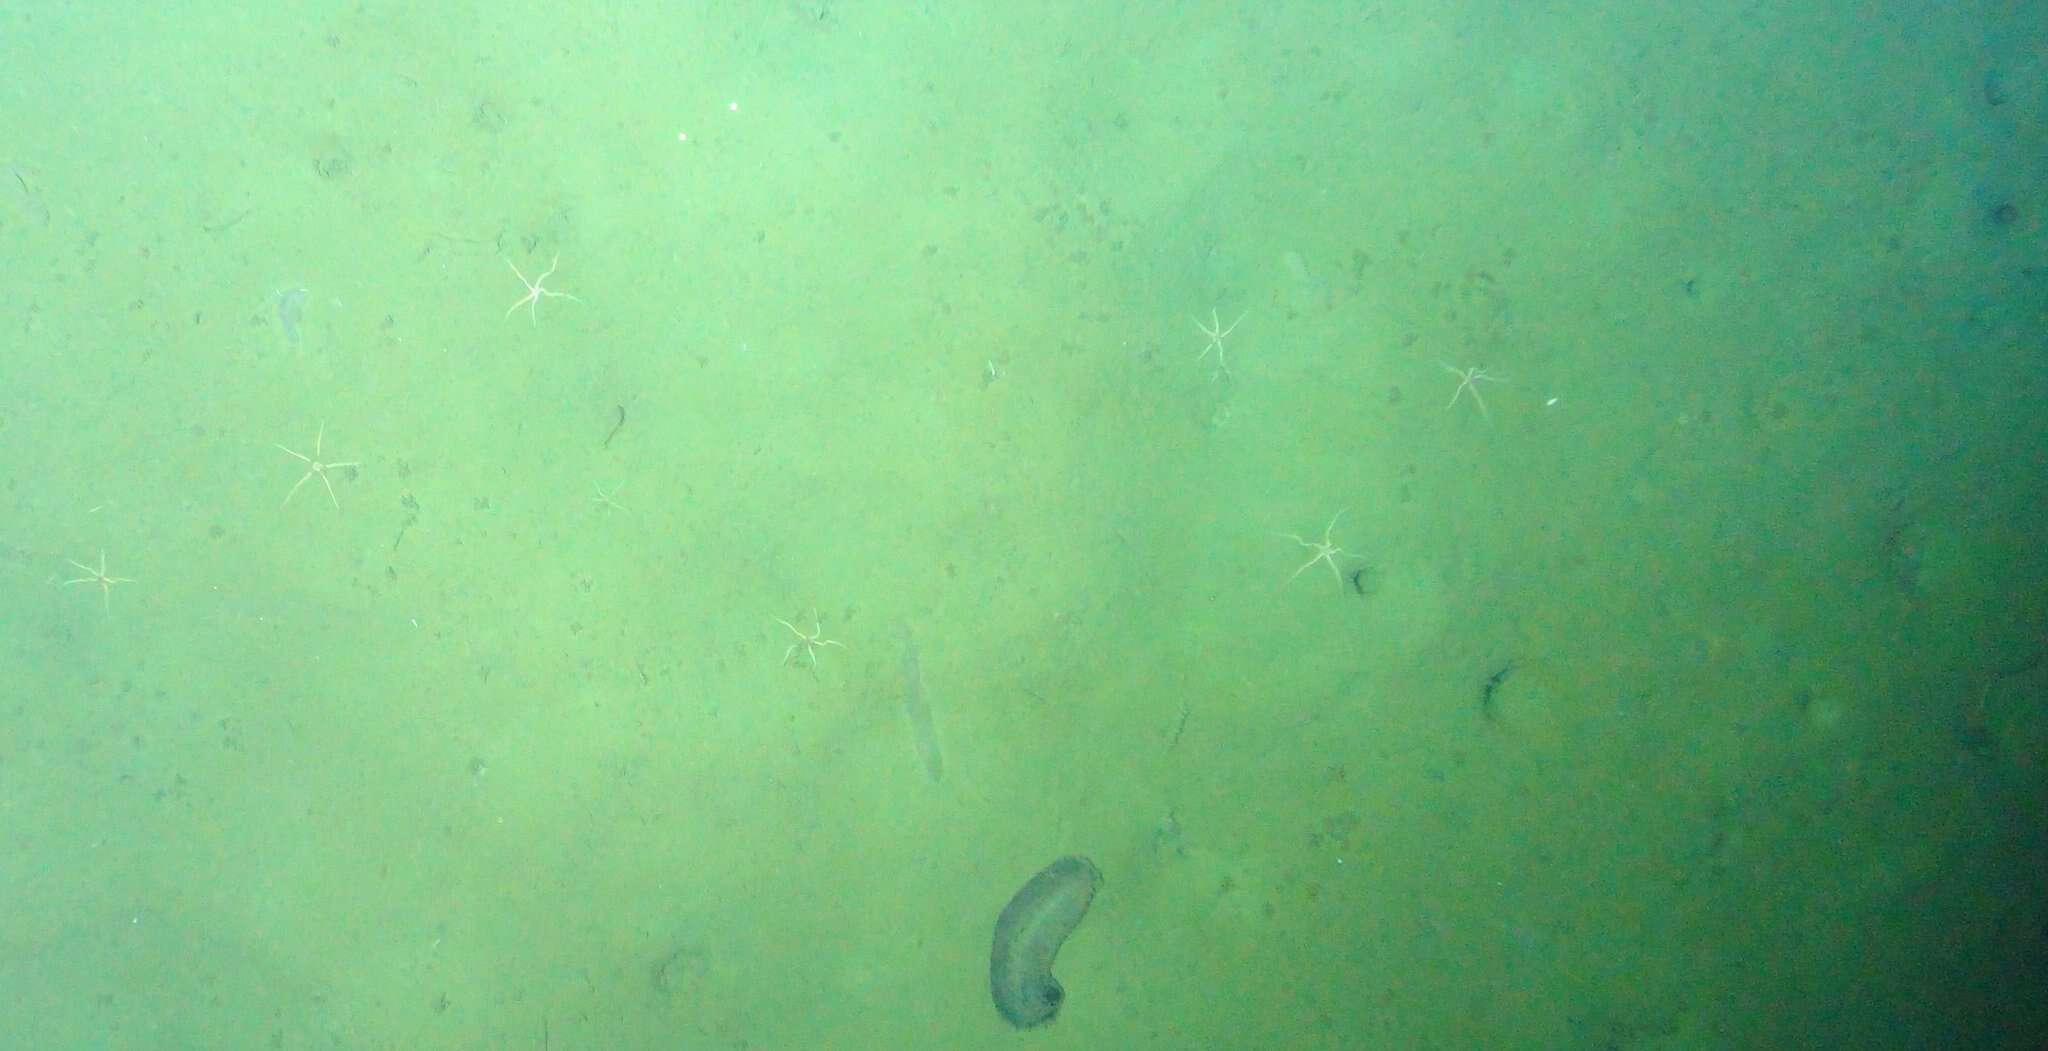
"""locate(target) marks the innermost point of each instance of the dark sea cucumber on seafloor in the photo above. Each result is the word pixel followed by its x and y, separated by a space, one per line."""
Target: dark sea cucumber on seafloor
pixel 1029 934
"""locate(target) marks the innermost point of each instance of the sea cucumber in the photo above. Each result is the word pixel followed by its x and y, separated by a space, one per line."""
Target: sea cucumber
pixel 291 309
pixel 1029 934
pixel 918 712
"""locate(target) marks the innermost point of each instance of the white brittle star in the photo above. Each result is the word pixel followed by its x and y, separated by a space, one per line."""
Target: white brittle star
pixel 1468 379
pixel 315 467
pixel 807 643
pixel 99 576
pixel 535 293
pixel 1215 331
pixel 609 500
pixel 1325 551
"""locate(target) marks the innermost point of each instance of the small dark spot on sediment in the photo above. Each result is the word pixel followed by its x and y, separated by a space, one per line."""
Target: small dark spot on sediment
pixel 1995 92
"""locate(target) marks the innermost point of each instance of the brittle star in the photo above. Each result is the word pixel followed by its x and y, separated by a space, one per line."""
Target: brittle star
pixel 604 499
pixel 1215 331
pixel 807 643
pixel 315 467
pixel 1325 551
pixel 1467 380
pixel 534 293
pixel 99 576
